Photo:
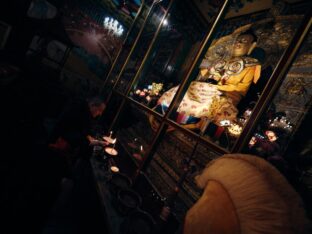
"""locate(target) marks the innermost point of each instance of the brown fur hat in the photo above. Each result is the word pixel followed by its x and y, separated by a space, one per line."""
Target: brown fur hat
pixel 245 194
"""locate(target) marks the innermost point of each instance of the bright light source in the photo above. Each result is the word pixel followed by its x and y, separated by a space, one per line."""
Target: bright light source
pixel 225 122
pixel 165 22
pixel 112 25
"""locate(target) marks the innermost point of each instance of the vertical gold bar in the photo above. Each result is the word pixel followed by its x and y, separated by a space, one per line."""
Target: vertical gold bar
pixel 162 128
pixel 202 48
pixel 149 49
pixel 133 47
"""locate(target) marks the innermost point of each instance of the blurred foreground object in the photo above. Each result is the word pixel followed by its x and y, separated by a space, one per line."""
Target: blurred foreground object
pixel 245 194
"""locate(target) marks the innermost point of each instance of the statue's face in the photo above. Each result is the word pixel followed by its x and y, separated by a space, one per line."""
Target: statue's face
pixel 242 45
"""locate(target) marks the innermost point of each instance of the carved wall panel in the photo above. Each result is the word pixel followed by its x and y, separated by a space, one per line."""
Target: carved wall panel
pixel 169 164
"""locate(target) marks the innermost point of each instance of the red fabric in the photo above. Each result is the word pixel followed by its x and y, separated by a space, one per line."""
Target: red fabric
pixel 219 131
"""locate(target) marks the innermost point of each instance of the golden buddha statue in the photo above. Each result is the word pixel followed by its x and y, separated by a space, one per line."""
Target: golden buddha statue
pixel 222 82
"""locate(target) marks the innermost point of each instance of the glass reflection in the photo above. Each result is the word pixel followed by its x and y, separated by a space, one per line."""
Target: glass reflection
pixel 171 55
pixel 285 114
pixel 224 78
pixel 126 48
pixel 154 18
pixel 133 132
pixel 98 28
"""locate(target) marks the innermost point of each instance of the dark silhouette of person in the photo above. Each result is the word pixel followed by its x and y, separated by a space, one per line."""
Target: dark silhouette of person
pixel 73 130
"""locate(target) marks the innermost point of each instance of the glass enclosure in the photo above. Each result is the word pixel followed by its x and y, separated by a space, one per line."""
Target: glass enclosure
pixel 227 82
pixel 97 31
pixel 153 21
pixel 121 59
pixel 170 57
pixel 133 131
pixel 222 84
pixel 196 83
pixel 290 105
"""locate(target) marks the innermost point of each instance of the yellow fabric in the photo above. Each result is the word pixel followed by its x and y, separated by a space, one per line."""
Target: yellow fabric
pixel 239 83
pixel 206 100
pixel 257 74
pixel 203 72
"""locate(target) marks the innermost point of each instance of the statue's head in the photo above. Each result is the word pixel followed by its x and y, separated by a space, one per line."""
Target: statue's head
pixel 244 44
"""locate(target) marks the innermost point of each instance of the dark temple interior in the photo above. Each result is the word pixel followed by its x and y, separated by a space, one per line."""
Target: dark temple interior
pixel 148 116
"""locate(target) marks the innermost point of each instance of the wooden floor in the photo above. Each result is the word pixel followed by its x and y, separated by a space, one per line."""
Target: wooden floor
pixel 35 197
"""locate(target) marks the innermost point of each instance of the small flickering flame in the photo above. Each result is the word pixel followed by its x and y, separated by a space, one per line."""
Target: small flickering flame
pixel 253 141
pixel 141 148
pixel 114 142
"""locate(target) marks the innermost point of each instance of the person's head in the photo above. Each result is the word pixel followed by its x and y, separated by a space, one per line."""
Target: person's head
pixel 96 106
pixel 244 44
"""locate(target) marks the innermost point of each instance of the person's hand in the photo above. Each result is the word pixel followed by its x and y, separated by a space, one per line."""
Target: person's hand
pixel 90 138
pixel 98 142
pixel 103 143
pixel 94 142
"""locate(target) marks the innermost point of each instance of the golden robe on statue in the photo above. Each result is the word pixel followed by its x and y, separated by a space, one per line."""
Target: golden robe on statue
pixel 218 101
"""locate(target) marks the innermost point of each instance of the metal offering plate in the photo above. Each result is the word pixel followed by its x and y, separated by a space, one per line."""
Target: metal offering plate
pixel 111 151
